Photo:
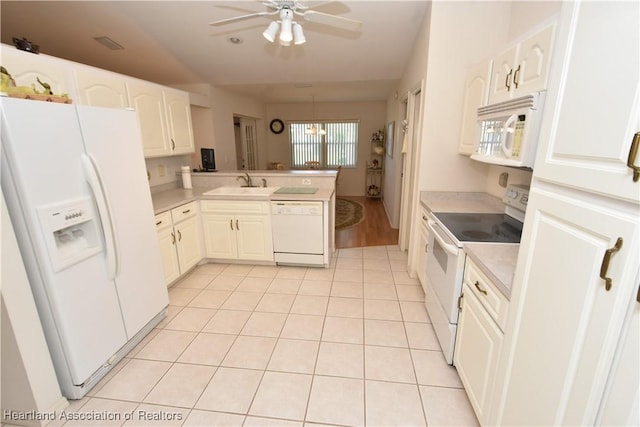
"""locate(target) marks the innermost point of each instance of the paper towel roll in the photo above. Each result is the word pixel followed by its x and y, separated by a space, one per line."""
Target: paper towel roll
pixel 186 177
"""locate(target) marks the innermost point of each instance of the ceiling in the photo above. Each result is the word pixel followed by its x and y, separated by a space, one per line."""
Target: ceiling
pixel 170 42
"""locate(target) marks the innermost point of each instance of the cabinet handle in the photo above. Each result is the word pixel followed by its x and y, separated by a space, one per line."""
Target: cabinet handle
pixel 179 236
pixel 159 222
pixel 479 288
pixel 506 81
pixel 460 301
pixel 515 77
pixel 605 263
pixel 173 144
pixel 638 296
pixel 633 153
pixel 187 211
pixel 173 239
pixel 231 223
pixel 237 226
pixel 426 248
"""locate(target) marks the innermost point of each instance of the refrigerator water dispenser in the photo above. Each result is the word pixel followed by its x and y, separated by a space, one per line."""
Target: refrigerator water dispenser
pixel 70 231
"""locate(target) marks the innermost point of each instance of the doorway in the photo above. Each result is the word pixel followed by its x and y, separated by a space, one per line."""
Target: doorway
pixel 408 198
pixel 246 144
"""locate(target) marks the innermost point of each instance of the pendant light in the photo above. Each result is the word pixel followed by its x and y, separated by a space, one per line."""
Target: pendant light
pixel 313 130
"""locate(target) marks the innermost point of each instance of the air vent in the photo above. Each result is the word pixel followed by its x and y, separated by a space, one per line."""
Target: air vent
pixel 107 42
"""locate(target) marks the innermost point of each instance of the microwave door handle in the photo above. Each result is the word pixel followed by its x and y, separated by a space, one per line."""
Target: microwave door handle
pixel 506 143
pixel 453 250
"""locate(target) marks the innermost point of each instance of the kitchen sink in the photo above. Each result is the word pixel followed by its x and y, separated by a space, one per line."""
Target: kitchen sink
pixel 241 191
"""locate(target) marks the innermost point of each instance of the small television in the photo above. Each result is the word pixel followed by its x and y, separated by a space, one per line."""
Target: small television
pixel 208 159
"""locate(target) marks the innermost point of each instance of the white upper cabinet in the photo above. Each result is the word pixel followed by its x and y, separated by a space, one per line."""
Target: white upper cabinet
pixel 475 95
pixel 178 110
pixel 523 68
pixel 26 68
pixel 100 88
pixel 165 118
pixel 597 98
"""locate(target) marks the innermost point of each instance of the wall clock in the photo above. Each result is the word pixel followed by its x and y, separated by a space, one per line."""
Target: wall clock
pixel 276 126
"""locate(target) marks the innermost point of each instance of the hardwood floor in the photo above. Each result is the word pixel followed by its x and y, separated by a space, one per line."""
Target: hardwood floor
pixel 375 230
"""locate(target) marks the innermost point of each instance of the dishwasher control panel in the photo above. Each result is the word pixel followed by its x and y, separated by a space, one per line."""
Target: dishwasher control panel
pixel 296 208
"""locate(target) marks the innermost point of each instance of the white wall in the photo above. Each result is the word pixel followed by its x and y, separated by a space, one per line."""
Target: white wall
pixel 371 116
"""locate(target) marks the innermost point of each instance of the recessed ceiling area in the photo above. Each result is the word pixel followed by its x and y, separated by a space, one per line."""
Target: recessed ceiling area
pixel 171 43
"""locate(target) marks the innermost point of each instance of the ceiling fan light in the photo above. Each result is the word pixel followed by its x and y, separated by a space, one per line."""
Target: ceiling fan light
pixel 298 35
pixel 286 36
pixel 271 31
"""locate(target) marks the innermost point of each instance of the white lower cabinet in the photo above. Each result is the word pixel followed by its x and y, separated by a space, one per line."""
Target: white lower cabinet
pixel 180 240
pixel 237 230
pixel 479 339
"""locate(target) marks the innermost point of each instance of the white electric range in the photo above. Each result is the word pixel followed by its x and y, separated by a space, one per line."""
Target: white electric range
pixel 445 258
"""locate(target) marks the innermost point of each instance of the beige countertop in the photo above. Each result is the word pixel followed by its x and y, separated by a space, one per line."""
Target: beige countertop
pixel 450 201
pixel 169 199
pixel 497 261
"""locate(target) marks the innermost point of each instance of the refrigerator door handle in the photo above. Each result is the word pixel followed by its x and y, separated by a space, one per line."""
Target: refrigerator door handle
pixel 92 175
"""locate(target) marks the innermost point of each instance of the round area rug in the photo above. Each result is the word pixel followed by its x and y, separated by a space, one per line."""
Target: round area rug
pixel 348 213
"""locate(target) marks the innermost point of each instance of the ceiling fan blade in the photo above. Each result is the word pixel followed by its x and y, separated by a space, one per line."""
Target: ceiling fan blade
pixel 241 17
pixel 333 20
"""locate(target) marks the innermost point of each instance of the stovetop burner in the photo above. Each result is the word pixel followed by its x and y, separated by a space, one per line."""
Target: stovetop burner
pixel 498 228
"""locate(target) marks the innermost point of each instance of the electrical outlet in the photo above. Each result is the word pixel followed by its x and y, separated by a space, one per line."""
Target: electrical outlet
pixel 162 170
pixel 503 179
pixel 306 181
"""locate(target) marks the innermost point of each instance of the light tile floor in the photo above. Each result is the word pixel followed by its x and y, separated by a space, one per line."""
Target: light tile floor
pixel 263 346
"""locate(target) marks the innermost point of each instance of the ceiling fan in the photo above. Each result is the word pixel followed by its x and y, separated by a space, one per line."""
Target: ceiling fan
pixel 289 29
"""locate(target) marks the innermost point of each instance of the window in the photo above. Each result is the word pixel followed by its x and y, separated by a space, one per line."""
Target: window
pixel 337 147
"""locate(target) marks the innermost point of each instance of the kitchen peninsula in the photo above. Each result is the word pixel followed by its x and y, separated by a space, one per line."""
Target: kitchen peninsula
pixel 236 224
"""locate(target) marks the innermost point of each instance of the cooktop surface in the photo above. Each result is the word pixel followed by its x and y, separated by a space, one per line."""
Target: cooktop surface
pixel 467 227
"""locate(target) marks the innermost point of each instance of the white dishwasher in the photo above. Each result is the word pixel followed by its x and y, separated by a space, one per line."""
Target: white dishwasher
pixel 298 235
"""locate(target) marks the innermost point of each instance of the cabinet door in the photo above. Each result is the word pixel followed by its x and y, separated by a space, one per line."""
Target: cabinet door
pixel 478 344
pixel 566 325
pixel 166 239
pixel 179 122
pixel 148 102
pixel 26 68
pixel 502 76
pixel 188 243
pixel 476 92
pixel 254 237
pixel 592 103
pixel 219 236
pixel 100 88
pixel 534 58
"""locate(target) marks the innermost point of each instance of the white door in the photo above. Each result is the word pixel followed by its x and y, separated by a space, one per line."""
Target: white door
pixel 188 243
pixel 597 102
pixel 100 88
pixel 111 136
pixel 179 126
pixel 248 143
pixel 501 87
pixel 147 100
pixel 219 236
pixel 534 58
pixel 475 95
pixel 567 323
pixel 254 237
pixel 167 242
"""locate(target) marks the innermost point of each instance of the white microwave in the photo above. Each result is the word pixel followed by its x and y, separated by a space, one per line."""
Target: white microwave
pixel 508 131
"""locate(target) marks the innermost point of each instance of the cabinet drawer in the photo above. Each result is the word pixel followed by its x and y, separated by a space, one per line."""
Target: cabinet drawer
pixel 490 297
pixel 184 211
pixel 163 220
pixel 235 207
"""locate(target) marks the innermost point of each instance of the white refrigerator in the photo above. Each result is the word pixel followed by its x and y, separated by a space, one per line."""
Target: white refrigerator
pixel 76 187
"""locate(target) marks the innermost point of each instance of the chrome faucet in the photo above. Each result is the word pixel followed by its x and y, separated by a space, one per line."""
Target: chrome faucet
pixel 246 178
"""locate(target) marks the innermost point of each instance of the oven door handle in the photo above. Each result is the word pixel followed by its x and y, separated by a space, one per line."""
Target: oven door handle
pixel 452 249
